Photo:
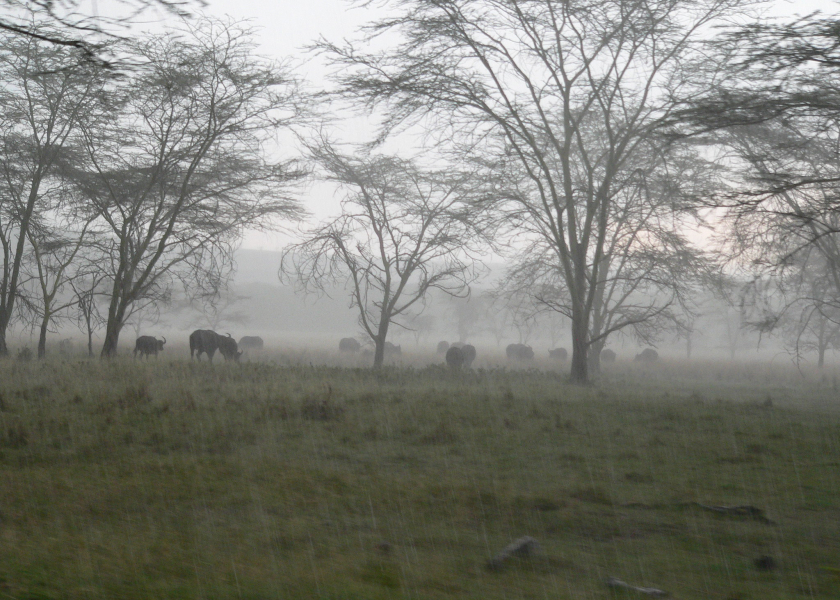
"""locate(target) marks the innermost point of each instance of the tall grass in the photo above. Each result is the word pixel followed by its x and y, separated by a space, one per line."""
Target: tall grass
pixel 166 479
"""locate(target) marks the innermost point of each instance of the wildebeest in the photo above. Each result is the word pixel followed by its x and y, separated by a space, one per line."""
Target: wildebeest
pixel 648 355
pixel 560 354
pixel 207 342
pixel 519 352
pixel 251 342
pixel 351 345
pixel 147 345
pixel 469 354
pixel 607 356
pixel 455 357
pixel 392 350
pixel 442 347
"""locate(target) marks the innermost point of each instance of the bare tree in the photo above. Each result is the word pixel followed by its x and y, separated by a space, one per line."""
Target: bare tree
pixel 67 23
pixel 813 324
pixel 225 306
pixel 46 94
pixel 55 246
pixel 183 168
pixel 775 112
pixel 468 315
pixel 498 318
pixel 402 232
pixel 648 271
pixel 421 326
pixel 531 82
pixel 86 290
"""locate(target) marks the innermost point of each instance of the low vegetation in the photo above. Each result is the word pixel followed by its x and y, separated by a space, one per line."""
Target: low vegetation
pixel 169 479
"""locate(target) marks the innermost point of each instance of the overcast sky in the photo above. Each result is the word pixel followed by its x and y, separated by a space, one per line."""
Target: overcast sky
pixel 289 25
pixel 285 27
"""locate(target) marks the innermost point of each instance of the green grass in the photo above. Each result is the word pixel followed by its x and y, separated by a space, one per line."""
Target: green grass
pixel 179 480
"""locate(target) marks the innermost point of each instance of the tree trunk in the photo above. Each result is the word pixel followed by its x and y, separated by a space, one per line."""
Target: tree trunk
pixel 821 357
pixel 822 343
pixel 688 347
pixel 11 289
pixel 112 339
pixel 42 338
pixel 379 353
pixel 594 365
pixel 116 318
pixel 580 349
pixel 382 334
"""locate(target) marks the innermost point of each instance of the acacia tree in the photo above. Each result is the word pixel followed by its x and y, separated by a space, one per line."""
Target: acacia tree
pixel 775 111
pixel 226 306
pixel 529 80
pixel 47 93
pixel 648 271
pixel 56 243
pixel 183 168
pixel 813 322
pixel 68 24
pixel 402 232
pixel 85 293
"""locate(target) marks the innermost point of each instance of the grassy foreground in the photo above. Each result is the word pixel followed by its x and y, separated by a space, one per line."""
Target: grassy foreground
pixel 179 480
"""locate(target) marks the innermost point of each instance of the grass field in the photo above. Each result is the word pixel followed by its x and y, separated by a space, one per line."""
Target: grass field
pixel 176 480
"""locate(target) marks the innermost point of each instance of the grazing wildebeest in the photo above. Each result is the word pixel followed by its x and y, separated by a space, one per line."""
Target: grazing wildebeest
pixel 251 342
pixel 455 357
pixel 442 347
pixel 392 350
pixel 648 355
pixel 147 345
pixel 207 342
pixel 351 345
pixel 560 354
pixel 469 354
pixel 519 352
pixel 607 356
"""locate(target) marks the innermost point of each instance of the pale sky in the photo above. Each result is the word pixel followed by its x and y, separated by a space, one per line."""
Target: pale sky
pixel 289 25
pixel 285 27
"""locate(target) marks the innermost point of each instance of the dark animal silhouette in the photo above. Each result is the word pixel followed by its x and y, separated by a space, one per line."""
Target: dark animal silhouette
pixel 229 348
pixel 648 355
pixel 147 345
pixel 392 350
pixel 519 352
pixel 608 356
pixel 469 354
pixel 560 354
pixel 205 341
pixel 349 345
pixel 455 358
pixel 65 346
pixel 442 347
pixel 251 342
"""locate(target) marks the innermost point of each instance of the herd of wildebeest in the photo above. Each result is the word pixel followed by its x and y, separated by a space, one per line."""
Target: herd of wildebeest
pixel 457 355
